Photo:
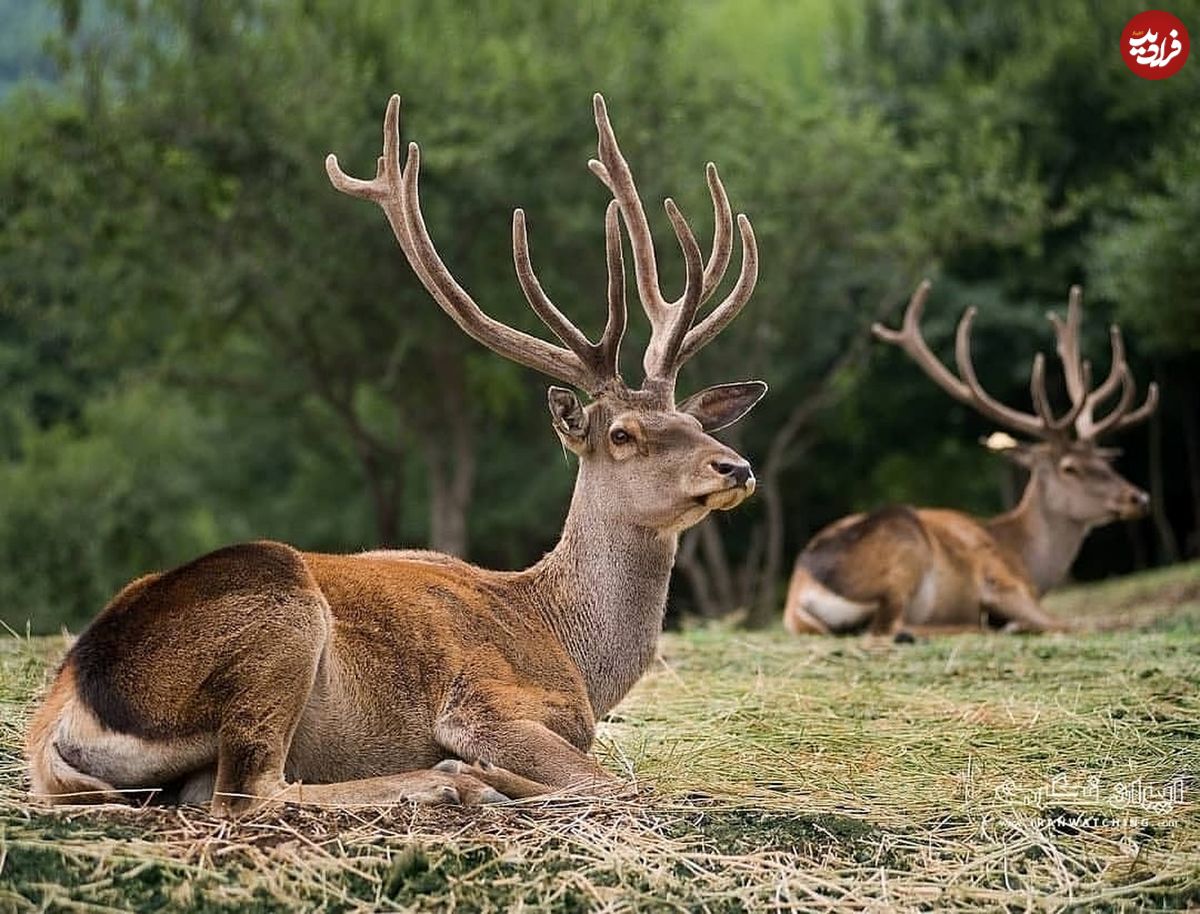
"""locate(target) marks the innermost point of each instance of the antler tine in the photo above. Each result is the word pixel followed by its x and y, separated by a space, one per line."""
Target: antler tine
pixel 1041 402
pixel 722 249
pixel 909 339
pixel 1105 390
pixel 1071 416
pixel 614 172
pixel 1086 400
pixel 1120 417
pixel 661 359
pixel 1037 389
pixel 721 316
pixel 1096 429
pixel 983 401
pixel 1143 412
pixel 614 328
pixel 1085 426
pixel 395 189
pixel 673 338
pixel 386 187
pixel 602 357
pixel 571 336
pixel 1067 343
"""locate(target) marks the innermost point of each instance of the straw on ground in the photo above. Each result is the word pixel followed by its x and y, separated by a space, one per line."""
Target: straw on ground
pixel 773 774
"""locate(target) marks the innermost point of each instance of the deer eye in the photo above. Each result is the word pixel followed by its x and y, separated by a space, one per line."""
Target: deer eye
pixel 1070 469
pixel 619 436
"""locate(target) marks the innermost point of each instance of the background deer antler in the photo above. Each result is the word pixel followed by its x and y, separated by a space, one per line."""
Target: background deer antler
pixel 673 338
pixel 590 366
pixel 1042 423
pixel 1087 428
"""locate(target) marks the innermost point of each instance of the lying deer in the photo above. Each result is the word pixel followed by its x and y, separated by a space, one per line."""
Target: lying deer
pixel 261 672
pixel 903 568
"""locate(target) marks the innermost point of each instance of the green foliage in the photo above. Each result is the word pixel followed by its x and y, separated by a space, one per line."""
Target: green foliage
pixel 90 507
pixel 1149 261
pixel 170 246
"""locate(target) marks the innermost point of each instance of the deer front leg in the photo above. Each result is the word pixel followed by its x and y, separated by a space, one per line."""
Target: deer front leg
pixel 431 788
pixel 1022 614
pixel 501 780
pixel 519 758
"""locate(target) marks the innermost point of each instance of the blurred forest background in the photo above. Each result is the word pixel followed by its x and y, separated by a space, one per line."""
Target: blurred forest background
pixel 201 342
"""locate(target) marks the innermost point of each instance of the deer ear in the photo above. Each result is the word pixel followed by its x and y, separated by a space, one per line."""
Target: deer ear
pixel 723 404
pixel 568 418
pixel 1010 448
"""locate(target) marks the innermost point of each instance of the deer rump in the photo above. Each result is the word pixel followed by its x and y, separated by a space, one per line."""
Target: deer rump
pixel 926 567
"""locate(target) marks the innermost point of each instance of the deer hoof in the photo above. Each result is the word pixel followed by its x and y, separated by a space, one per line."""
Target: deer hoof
pixel 489 795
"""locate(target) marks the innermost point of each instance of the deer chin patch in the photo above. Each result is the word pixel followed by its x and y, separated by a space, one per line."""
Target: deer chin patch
pixel 1127 513
pixel 727 499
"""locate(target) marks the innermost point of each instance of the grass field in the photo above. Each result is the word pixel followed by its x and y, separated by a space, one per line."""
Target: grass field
pixel 971 772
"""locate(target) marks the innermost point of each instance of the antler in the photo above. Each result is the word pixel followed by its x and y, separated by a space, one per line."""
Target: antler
pixel 590 366
pixel 1042 423
pixel 967 389
pixel 1087 427
pixel 673 338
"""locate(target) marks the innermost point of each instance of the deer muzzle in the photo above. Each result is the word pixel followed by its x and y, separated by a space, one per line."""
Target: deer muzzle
pixel 1134 504
pixel 739 484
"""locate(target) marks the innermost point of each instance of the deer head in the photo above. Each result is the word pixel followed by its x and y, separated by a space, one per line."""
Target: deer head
pixel 651 459
pixel 1072 472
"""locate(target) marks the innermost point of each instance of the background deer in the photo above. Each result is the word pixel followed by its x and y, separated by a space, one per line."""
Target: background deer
pixel 259 671
pixel 910 568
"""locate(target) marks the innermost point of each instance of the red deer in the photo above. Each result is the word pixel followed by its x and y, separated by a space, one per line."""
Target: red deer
pixel 260 672
pixel 905 569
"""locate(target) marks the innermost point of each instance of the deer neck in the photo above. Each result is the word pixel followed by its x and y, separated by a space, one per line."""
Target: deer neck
pixel 603 590
pixel 1045 541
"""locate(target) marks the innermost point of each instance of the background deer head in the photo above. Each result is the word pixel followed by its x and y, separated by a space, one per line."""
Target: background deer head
pixel 1072 473
pixel 651 462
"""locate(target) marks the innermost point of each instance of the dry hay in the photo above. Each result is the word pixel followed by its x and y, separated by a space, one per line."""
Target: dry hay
pixel 771 774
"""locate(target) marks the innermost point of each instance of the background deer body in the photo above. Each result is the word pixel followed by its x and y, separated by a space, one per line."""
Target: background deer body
pixel 259 671
pixel 935 568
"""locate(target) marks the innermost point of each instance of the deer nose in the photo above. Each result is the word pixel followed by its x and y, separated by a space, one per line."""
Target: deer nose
pixel 737 470
pixel 1139 498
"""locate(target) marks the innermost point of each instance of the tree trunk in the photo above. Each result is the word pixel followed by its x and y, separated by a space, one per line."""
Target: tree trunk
pixel 450 462
pixel 749 575
pixel 697 574
pixel 1137 545
pixel 450 491
pixel 384 498
pixel 717 563
pixel 782 453
pixel 1168 547
pixel 774 526
pixel 1191 445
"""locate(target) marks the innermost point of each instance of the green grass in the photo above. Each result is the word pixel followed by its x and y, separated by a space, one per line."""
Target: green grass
pixel 973 772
